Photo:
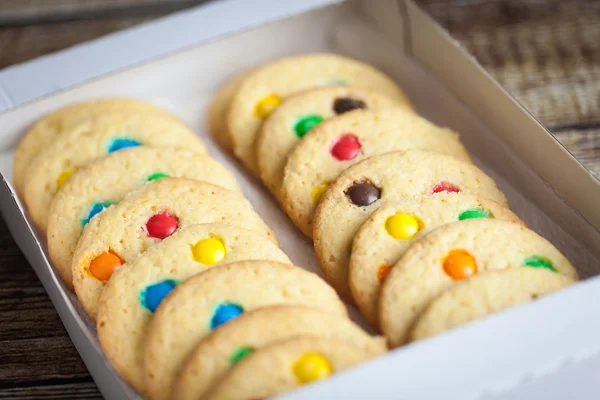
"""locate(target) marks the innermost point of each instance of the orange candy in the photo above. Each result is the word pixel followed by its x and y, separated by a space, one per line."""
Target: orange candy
pixel 383 271
pixel 460 264
pixel 103 266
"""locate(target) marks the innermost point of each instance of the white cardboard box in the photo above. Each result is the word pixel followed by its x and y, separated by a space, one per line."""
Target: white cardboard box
pixel 546 349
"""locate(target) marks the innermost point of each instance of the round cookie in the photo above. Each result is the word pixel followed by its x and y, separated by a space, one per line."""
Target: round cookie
pixel 223 348
pixel 452 253
pixel 217 111
pixel 48 128
pixel 210 299
pixel 484 294
pixel 120 233
pixel 133 293
pixel 341 142
pixel 263 89
pixel 392 229
pixel 364 187
pixel 90 140
pixel 107 180
pixel 301 112
pixel 284 366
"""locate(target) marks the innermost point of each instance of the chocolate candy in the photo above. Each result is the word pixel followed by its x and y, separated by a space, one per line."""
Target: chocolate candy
pixel 363 193
pixel 161 225
pixel 154 294
pixel 539 262
pixel 345 104
pixel 460 264
pixel 306 123
pixel 311 367
pixel 122 143
pixel 240 353
pixel 225 312
pixel 346 147
pixel 103 265
pixel 445 187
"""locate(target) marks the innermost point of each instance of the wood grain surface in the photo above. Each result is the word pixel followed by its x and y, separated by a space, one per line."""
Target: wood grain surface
pixel 544 52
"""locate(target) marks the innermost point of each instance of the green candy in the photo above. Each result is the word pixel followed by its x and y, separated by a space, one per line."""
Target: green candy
pixel 539 262
pixel 240 353
pixel 156 176
pixel 306 123
pixel 475 213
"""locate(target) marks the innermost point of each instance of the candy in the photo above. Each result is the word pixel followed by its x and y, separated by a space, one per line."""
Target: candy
pixel 155 293
pixel 208 251
pixel 346 147
pixel 266 106
pixel 445 187
pixel 318 191
pixel 460 264
pixel 225 312
pixel 64 177
pixel 539 262
pixel 402 226
pixel 156 176
pixel 122 143
pixel 382 272
pixel 240 353
pixel 96 209
pixel 345 104
pixel 311 367
pixel 161 225
pixel 363 193
pixel 475 213
pixel 306 123
pixel 103 266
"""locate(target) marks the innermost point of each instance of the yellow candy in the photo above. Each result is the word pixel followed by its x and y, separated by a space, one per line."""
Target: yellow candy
pixel 266 105
pixel 63 177
pixel 318 191
pixel 402 226
pixel 208 251
pixel 311 367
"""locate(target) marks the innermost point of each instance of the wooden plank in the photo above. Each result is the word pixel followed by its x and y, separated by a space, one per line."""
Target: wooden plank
pixel 58 390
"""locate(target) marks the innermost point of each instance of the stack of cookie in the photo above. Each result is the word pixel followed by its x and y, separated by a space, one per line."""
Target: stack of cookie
pixel 162 249
pixel 403 223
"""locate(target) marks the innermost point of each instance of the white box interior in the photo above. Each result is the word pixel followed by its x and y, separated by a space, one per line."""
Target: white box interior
pixel 185 82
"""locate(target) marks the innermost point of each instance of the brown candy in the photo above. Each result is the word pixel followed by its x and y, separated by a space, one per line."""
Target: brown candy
pixel 363 193
pixel 345 104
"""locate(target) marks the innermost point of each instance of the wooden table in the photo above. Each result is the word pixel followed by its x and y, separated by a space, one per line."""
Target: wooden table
pixel 546 53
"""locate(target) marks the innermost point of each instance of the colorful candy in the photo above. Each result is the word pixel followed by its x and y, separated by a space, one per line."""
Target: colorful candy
pixel 225 312
pixel 240 353
pixel 311 367
pixel 445 187
pixel 155 293
pixel 122 143
pixel 161 225
pixel 318 191
pixel 64 177
pixel 382 272
pixel 345 104
pixel 363 193
pixel 103 265
pixel 475 213
pixel 96 209
pixel 346 147
pixel 208 251
pixel 266 106
pixel 156 176
pixel 402 226
pixel 306 123
pixel 459 264
pixel 539 262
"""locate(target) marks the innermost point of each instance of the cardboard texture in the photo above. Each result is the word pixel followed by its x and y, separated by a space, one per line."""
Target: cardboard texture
pixel 545 185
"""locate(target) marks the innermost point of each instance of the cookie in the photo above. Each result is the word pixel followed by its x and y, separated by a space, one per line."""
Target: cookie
pixel 120 233
pixel 284 366
pixel 485 294
pixel 301 112
pixel 217 112
pixel 48 128
pixel 263 89
pixel 341 142
pixel 90 140
pixel 210 299
pixel 392 229
pixel 363 188
pixel 107 180
pixel 133 293
pixel 452 253
pixel 225 347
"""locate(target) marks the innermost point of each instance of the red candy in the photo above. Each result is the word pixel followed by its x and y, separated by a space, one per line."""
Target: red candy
pixel 346 148
pixel 445 187
pixel 161 225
